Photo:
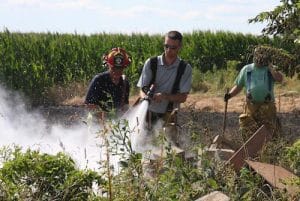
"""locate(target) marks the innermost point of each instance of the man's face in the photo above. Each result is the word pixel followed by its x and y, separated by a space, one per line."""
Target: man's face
pixel 171 47
pixel 115 72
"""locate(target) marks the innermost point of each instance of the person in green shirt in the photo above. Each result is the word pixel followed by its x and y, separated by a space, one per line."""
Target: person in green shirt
pixel 258 80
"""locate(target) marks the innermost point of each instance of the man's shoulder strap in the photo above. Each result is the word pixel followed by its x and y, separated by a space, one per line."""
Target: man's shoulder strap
pixel 250 67
pixel 270 80
pixel 153 66
pixel 248 78
pixel 181 68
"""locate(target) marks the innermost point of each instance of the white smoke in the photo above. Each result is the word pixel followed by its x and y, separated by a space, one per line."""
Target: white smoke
pixel 31 130
pixel 136 121
pixel 143 140
pixel 82 142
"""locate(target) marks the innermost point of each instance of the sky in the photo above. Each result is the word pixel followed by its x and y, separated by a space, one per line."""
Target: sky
pixel 132 16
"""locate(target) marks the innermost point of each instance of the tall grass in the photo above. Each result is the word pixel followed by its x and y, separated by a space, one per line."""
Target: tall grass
pixel 215 81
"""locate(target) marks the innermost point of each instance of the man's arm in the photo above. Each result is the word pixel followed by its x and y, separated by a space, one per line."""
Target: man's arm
pixel 275 74
pixel 91 106
pixel 233 92
pixel 178 98
pixel 142 94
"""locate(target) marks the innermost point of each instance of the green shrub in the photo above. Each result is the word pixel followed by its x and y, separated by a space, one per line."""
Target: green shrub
pixel 197 81
pixel 291 157
pixel 37 176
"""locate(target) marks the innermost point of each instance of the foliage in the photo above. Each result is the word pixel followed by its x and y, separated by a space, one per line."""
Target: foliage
pixel 36 176
pixel 176 178
pixel 198 81
pixel 32 175
pixel 290 154
pixel 35 63
pixel 215 81
pixel 284 61
pixel 283 20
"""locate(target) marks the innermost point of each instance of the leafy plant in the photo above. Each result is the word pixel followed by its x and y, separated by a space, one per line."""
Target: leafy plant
pixel 291 157
pixel 283 20
pixel 38 176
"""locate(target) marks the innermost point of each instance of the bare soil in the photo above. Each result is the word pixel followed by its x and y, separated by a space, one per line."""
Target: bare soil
pixel 204 112
pixel 209 112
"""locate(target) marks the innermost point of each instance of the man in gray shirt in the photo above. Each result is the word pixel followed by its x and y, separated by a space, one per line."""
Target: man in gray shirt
pixel 167 68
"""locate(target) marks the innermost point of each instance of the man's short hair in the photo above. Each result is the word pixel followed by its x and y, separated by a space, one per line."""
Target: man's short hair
pixel 174 35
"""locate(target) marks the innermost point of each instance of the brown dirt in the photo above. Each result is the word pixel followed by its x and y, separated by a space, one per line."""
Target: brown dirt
pixel 206 114
pixel 286 102
pixel 208 111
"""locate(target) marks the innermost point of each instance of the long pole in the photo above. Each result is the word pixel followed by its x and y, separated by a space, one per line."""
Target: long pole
pixel 225 114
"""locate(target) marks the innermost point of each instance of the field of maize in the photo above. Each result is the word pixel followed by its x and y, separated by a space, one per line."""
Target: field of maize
pixel 33 62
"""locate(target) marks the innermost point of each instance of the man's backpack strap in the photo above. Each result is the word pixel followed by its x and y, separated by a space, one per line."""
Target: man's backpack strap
pixel 248 81
pixel 270 78
pixel 153 66
pixel 181 68
pixel 248 84
pixel 180 71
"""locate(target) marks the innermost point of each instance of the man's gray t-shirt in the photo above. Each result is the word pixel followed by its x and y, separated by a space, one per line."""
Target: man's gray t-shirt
pixel 164 81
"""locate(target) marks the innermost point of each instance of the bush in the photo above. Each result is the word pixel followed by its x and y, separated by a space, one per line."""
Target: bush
pixel 197 82
pixel 37 176
pixel 292 157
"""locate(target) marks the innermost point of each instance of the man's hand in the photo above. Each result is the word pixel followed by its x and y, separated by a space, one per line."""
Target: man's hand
pixel 276 74
pixel 227 96
pixel 92 106
pixel 158 97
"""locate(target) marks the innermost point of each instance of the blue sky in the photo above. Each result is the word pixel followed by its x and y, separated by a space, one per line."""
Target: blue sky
pixel 132 16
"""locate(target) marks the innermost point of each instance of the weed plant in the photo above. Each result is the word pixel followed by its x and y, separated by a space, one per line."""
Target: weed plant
pixel 32 175
pixel 36 176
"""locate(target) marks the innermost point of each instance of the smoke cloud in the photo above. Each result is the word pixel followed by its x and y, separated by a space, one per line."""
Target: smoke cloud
pixel 31 130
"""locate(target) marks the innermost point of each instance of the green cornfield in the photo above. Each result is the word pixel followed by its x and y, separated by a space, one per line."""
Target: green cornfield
pixel 33 62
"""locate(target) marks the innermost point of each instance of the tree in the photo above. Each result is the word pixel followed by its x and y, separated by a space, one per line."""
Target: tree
pixel 284 20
